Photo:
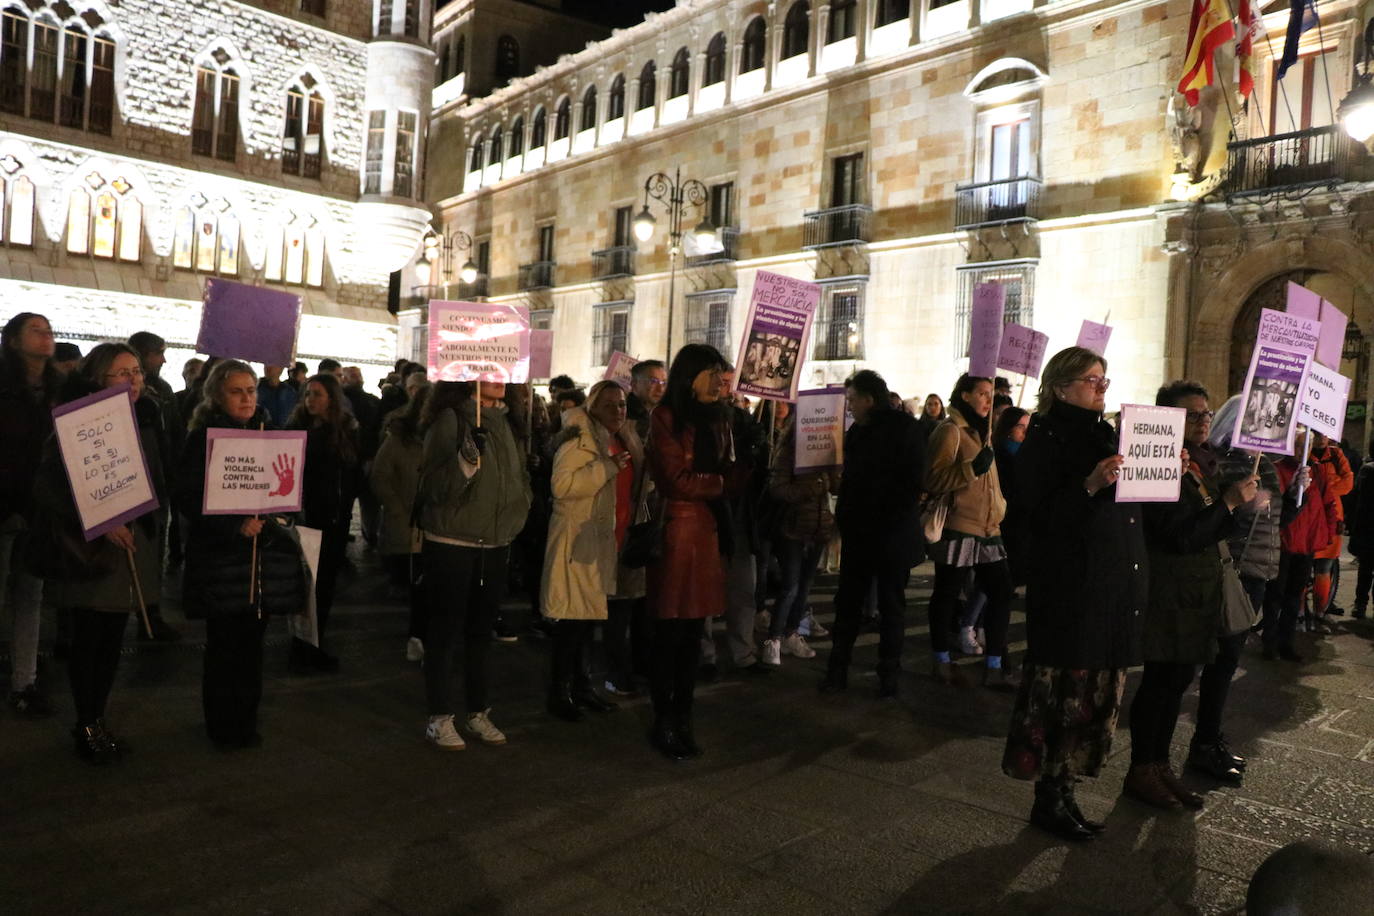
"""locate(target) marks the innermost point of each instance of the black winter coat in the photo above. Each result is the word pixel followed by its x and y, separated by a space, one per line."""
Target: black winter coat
pixel 1087 573
pixel 25 424
pixel 1360 525
pixel 880 490
pixel 331 481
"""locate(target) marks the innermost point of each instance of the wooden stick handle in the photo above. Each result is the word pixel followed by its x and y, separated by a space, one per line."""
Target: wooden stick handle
pixel 138 592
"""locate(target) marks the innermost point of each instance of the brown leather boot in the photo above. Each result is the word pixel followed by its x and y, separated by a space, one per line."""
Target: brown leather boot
pixel 1187 796
pixel 1144 783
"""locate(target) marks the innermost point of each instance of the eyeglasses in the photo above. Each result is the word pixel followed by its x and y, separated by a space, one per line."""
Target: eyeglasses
pixel 1097 381
pixel 1200 416
pixel 126 375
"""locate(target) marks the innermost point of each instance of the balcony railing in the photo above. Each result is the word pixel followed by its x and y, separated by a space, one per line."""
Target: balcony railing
pixel 609 263
pixel 1318 156
pixel 538 275
pixel 729 240
pixel 847 225
pixel 477 289
pixel 990 203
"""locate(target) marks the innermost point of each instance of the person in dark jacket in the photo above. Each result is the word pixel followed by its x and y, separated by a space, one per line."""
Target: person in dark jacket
pixel 28 391
pixel 220 563
pixel 367 410
pixel 395 478
pixel 1185 611
pixel 1007 435
pixel 276 396
pixel 648 381
pixel 1361 526
pixel 1086 590
pixel 878 519
pixel 158 397
pixel 329 485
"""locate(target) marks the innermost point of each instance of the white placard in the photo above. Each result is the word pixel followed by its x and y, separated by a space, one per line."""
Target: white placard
pixel 103 455
pixel 820 429
pixel 1152 444
pixel 1322 403
pixel 253 472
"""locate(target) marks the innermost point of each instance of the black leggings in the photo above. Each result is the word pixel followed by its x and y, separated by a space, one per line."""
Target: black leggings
pixel 465 586
pixel 616 641
pixel 568 658
pixel 231 686
pixel 408 571
pixel 1154 712
pixel 333 544
pixel 994 580
pixel 677 647
pixel 97 637
pixel 1214 685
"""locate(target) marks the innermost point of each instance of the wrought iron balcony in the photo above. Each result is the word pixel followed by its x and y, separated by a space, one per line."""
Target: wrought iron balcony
pixel 847 225
pixel 729 240
pixel 538 275
pixel 991 203
pixel 609 263
pixel 1296 161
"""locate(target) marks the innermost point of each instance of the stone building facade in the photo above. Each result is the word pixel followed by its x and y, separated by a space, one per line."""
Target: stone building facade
pixel 898 153
pixel 145 146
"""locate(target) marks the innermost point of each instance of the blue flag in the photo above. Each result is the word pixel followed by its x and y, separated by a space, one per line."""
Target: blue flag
pixel 1302 15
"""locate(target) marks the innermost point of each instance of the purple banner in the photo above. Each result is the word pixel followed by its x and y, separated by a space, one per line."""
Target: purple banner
pixel 775 336
pixel 252 323
pixel 1331 340
pixel 1268 420
pixel 618 369
pixel 1022 350
pixel 985 329
pixel 1303 302
pixel 103 456
pixel 1289 331
pixel 541 353
pixel 1093 336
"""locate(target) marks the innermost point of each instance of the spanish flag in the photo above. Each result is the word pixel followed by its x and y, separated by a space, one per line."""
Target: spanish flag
pixel 1251 23
pixel 1210 28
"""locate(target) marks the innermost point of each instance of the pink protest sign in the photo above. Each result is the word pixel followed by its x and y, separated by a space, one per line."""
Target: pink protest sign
pixel 1289 331
pixel 985 329
pixel 238 321
pixel 478 341
pixel 541 353
pixel 253 471
pixel 1023 350
pixel 1303 302
pixel 1094 336
pixel 1331 340
pixel 618 369
pixel 775 336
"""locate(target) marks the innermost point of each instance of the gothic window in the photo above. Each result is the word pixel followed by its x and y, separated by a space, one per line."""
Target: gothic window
pixel 475 161
pixel 57 73
pixel 384 14
pixel 715 61
pixel 890 11
pixel 755 36
pixel 460 54
pixel 680 75
pixel 105 219
pixel 207 239
pixel 589 109
pixel 615 102
pixel 403 179
pixel 215 120
pixel 507 59
pixel 494 146
pixel 796 29
pixel 646 87
pixel 562 119
pixel 302 145
pixel 517 138
pixel 538 129
pixel 376 149
pixel 295 253
pixel 844 20
pixel 16 204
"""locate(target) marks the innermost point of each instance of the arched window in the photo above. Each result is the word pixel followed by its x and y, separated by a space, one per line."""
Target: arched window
pixel 302 144
pixel 796 29
pixel 441 66
pixel 589 109
pixel 54 72
pixel 890 11
pixel 844 20
pixel 460 53
pixel 615 104
pixel 295 253
pixel 105 219
pixel 715 61
pixel 507 59
pixel 538 128
pixel 207 239
pixel 16 209
pixel 494 146
pixel 517 137
pixel 215 118
pixel 647 88
pixel 475 160
pixel 562 119
pixel 755 36
pixel 681 74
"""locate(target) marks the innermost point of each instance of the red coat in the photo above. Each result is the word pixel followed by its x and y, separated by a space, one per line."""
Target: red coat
pixel 1315 524
pixel 689 582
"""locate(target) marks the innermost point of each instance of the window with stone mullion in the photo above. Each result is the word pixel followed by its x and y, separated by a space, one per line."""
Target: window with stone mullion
pixel 890 11
pixel 844 17
pixel 403 178
pixel 14 57
pixel 376 150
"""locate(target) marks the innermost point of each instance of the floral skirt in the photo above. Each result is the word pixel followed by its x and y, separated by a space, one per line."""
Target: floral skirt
pixel 1063 722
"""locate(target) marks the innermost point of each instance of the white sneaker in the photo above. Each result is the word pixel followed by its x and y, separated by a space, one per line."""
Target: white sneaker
pixel 796 645
pixel 441 733
pixel 415 650
pixel 968 643
pixel 480 725
pixel 817 631
pixel 772 652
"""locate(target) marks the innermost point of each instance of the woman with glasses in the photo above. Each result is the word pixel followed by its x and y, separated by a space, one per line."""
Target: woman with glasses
pixel 1087 575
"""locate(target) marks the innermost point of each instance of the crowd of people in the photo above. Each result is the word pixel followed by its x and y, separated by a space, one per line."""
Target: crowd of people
pixel 661 514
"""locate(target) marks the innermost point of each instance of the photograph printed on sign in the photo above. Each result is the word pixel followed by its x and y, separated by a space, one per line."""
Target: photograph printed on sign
pixel 1268 419
pixel 778 326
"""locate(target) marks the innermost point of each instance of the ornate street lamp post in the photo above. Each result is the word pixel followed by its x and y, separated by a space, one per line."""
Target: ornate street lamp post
pixel 677 195
pixel 441 249
pixel 1356 111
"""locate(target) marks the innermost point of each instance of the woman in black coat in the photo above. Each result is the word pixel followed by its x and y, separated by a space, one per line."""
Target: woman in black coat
pixel 220 564
pixel 1087 580
pixel 329 485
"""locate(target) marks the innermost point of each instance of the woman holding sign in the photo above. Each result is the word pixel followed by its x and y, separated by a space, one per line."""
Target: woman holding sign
pixel 224 554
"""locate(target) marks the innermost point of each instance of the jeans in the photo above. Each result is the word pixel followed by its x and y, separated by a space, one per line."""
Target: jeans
pixel 740 572
pixel 231 685
pixel 1154 712
pixel 994 580
pixel 1284 603
pixel 465 586
pixel 25 595
pixel 97 637
pixel 797 561
pixel 879 563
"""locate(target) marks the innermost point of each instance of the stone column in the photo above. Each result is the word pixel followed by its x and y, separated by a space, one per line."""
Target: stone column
pixel 864 11
pixel 820 24
pixel 918 13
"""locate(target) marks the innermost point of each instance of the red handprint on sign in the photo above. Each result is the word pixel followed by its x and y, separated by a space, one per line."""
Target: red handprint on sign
pixel 285 469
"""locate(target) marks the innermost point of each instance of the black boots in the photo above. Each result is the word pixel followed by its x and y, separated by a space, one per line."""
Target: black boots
pixel 1071 805
pixel 1051 812
pixel 93 744
pixel 561 705
pixel 564 658
pixel 835 680
pixel 1216 760
pixel 664 737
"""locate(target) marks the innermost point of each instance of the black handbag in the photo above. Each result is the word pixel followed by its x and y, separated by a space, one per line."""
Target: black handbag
pixel 52 550
pixel 643 540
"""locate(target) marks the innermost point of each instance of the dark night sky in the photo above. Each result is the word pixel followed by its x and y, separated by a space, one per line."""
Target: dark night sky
pixel 615 12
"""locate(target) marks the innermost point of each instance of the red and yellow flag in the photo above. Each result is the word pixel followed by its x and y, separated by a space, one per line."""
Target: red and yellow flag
pixel 1210 28
pixel 1251 27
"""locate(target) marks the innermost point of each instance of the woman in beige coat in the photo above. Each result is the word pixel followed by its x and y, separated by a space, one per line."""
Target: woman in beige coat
pixel 598 474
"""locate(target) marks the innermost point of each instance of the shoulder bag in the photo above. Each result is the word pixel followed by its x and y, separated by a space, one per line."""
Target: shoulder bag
pixel 1238 612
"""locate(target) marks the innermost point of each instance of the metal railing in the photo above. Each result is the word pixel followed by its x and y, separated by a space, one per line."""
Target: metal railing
pixel 729 240
pixel 847 225
pixel 537 275
pixel 613 262
pixel 1318 156
pixel 989 203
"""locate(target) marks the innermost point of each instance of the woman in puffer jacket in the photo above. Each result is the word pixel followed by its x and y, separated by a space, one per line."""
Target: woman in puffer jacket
pixel 1310 529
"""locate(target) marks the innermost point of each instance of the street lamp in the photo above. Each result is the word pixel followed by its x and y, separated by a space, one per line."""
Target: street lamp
pixel 676 195
pixel 437 248
pixel 1356 110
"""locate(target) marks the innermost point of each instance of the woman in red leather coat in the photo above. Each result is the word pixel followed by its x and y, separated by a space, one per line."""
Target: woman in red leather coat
pixel 691 459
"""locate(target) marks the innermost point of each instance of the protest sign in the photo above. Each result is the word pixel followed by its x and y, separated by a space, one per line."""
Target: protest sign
pixel 253 471
pixel 618 369
pixel 776 332
pixel 1322 404
pixel 1302 302
pixel 1331 339
pixel 1269 418
pixel 541 353
pixel 252 323
pixel 103 456
pixel 478 341
pixel 1093 336
pixel 820 428
pixel 985 329
pixel 1289 332
pixel 1022 350
pixel 1152 444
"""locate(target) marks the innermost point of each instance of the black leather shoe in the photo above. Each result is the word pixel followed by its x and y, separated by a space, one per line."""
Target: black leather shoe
pixel 665 740
pixel 92 744
pixel 561 706
pixel 687 738
pixel 588 698
pixel 887 686
pixel 1071 805
pixel 1237 760
pixel 1212 760
pixel 835 681
pixel 1049 813
pixel 118 746
pixel 1288 655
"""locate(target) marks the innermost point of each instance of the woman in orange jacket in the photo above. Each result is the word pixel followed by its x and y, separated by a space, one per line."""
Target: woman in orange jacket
pixel 1330 462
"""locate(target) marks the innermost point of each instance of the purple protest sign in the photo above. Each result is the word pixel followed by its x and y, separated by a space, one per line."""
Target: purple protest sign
pixel 478 341
pixel 618 369
pixel 985 329
pixel 1022 350
pixel 541 353
pixel 1268 421
pixel 253 471
pixel 1303 302
pixel 252 323
pixel 1093 336
pixel 1331 339
pixel 1289 331
pixel 776 332
pixel 102 453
